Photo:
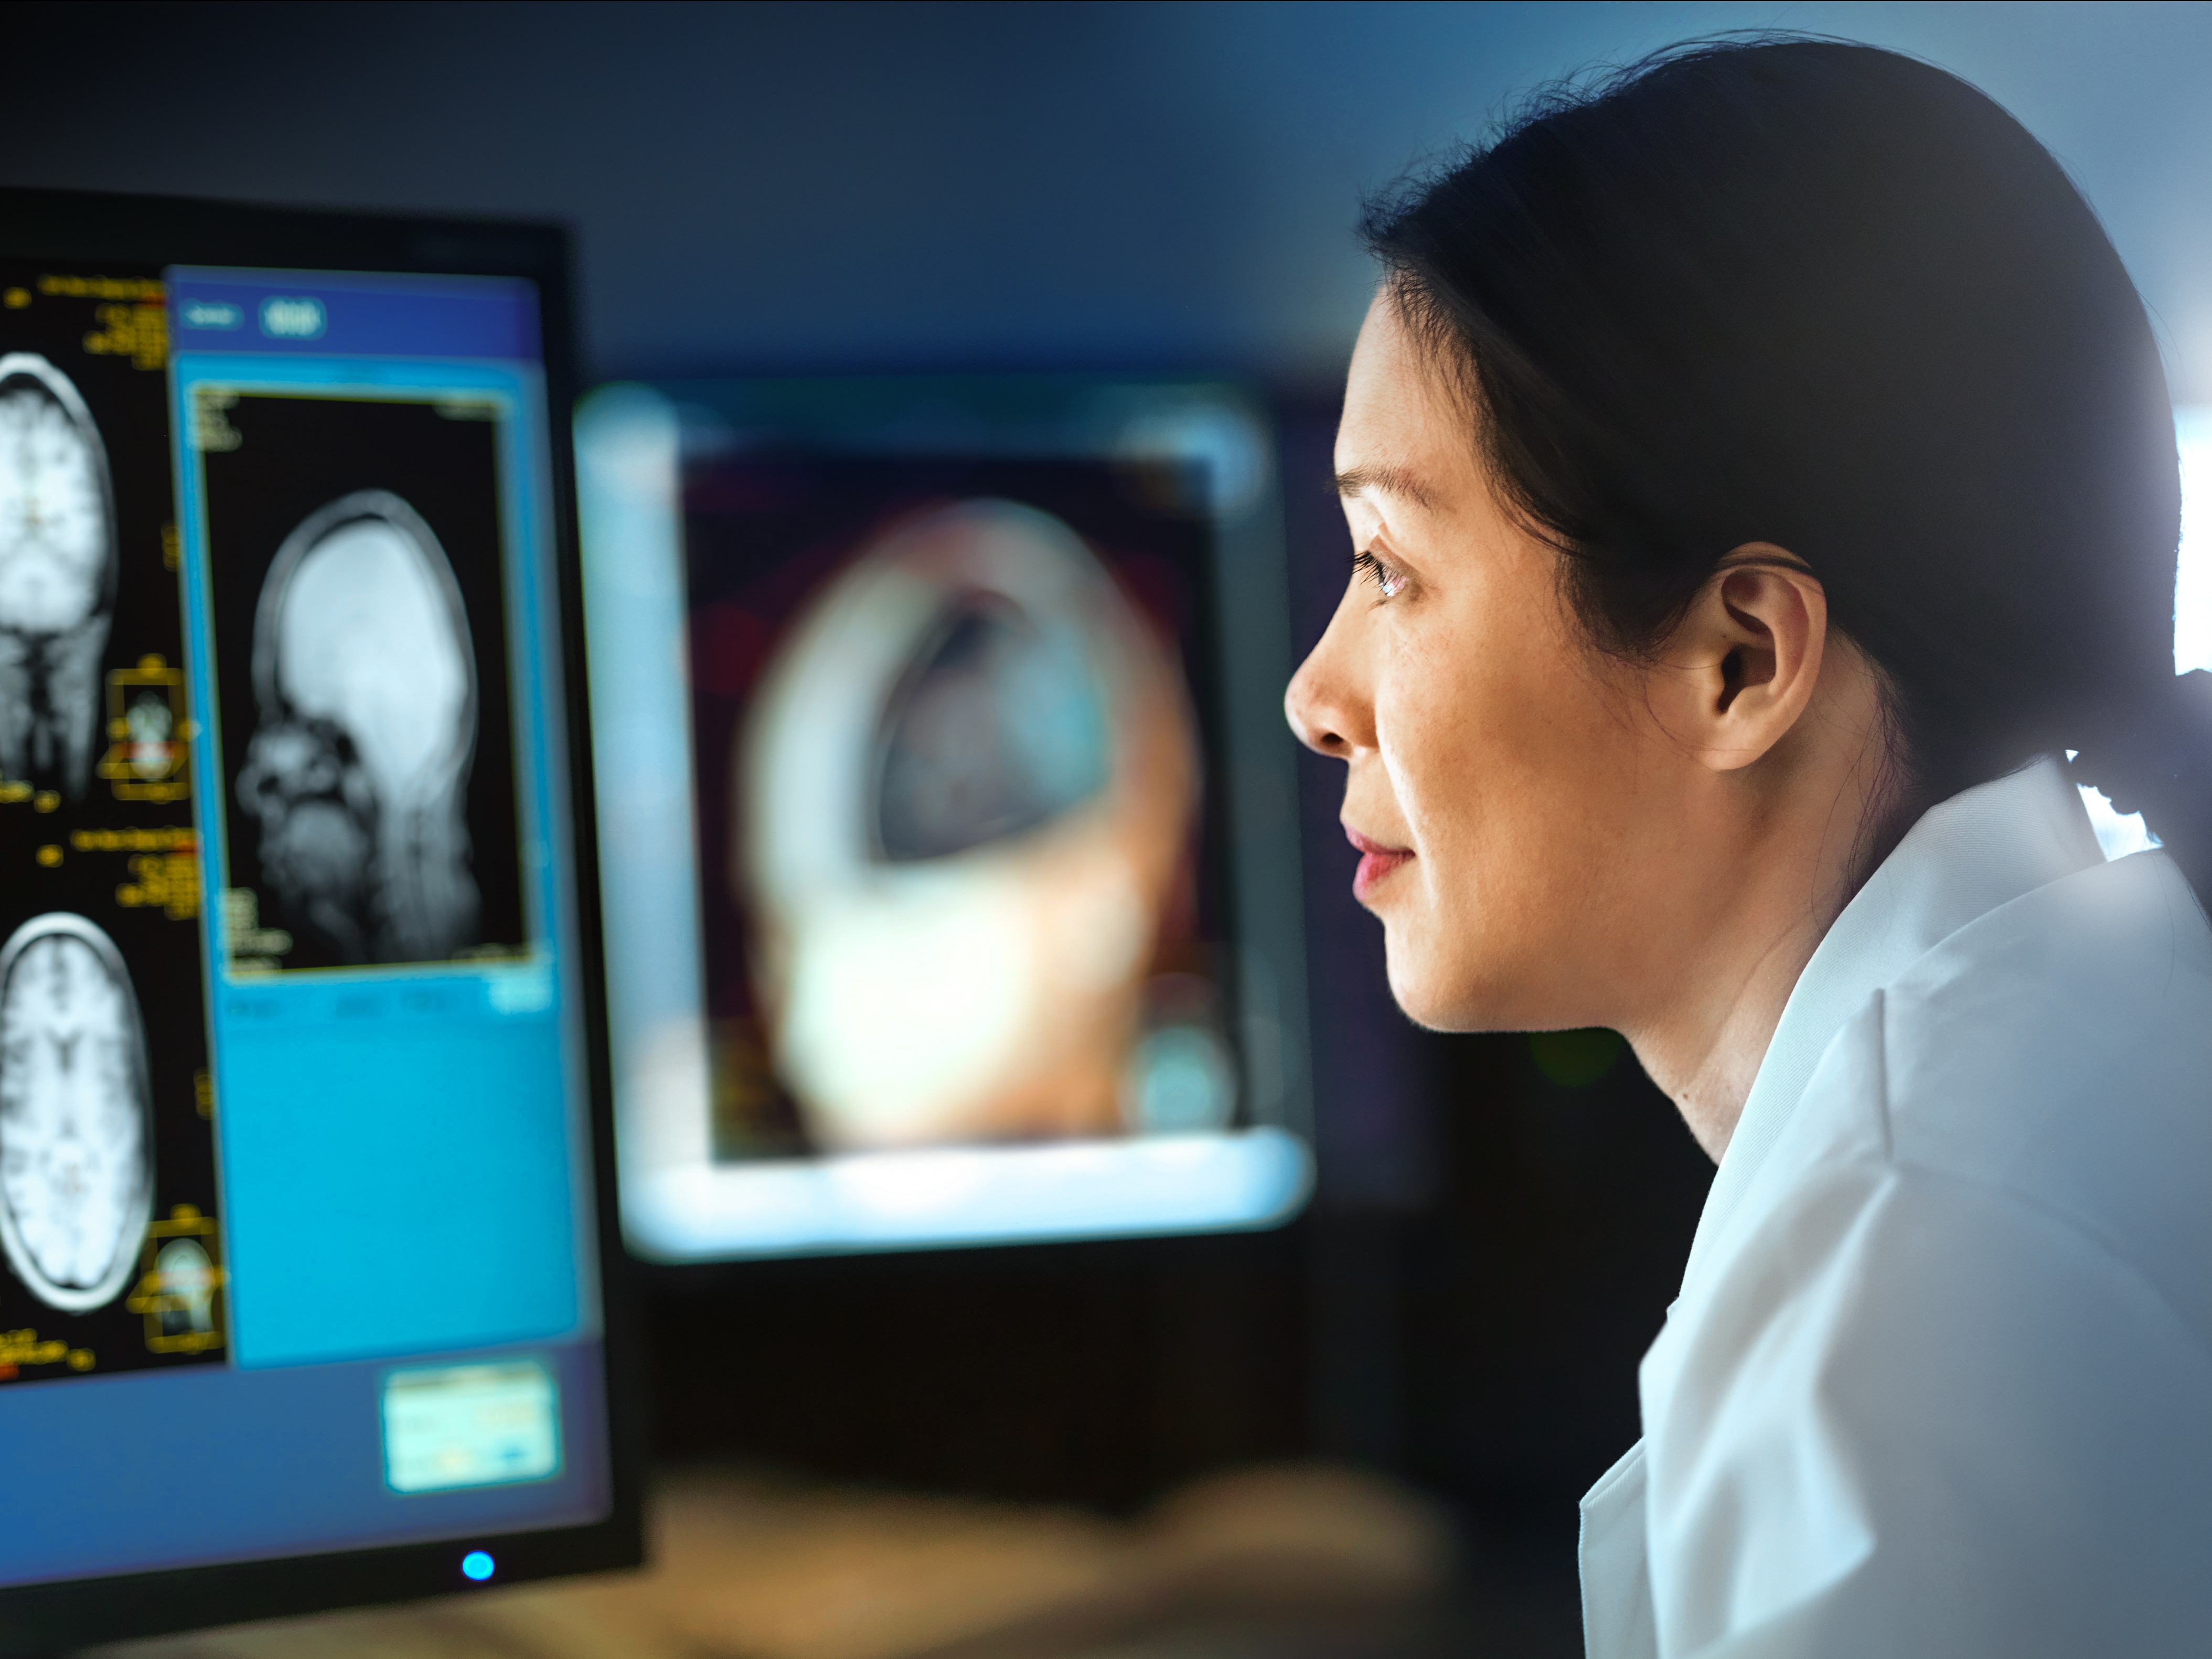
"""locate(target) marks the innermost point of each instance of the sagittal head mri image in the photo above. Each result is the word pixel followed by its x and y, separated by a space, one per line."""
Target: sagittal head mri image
pixel 76 1143
pixel 365 688
pixel 372 815
pixel 57 573
pixel 964 802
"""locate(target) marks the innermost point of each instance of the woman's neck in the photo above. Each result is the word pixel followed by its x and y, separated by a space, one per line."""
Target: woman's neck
pixel 1705 1030
pixel 1707 1055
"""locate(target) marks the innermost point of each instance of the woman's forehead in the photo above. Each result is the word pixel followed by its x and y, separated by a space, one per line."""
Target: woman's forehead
pixel 1402 437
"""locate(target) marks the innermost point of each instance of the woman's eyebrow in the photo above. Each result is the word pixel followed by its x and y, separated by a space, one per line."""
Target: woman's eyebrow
pixel 1391 480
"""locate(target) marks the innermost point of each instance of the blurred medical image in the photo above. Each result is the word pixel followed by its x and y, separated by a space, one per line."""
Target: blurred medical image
pixel 365 690
pixel 952 807
pixel 362 681
pixel 184 1290
pixel 109 1221
pixel 76 1146
pixel 57 573
pixel 106 1103
pixel 965 795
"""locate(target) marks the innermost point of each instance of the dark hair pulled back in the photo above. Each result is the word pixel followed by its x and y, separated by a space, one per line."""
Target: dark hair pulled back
pixel 1819 295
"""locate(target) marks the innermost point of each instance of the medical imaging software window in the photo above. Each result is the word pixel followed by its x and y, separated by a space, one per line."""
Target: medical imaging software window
pixel 294 1190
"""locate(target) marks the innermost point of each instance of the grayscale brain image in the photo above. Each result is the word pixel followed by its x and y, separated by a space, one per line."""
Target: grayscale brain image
pixel 363 683
pixel 57 573
pixel 111 1243
pixel 365 722
pixel 188 1278
pixel 76 1146
pixel 108 1220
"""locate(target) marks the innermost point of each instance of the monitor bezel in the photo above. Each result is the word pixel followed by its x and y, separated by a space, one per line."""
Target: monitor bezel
pixel 85 228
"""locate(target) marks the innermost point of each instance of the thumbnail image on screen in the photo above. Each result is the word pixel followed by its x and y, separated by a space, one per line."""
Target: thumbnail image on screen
pixel 107 1186
pixel 955 862
pixel 360 622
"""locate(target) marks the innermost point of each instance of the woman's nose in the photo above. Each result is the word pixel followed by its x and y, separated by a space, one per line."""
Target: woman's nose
pixel 1314 714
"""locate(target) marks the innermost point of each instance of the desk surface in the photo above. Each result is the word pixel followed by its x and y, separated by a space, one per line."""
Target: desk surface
pixel 1293 1561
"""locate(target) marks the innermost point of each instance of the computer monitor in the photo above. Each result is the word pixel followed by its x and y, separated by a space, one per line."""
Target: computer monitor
pixel 947 810
pixel 303 1162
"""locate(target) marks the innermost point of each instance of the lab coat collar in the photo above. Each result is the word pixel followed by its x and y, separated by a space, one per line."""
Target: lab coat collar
pixel 1962 859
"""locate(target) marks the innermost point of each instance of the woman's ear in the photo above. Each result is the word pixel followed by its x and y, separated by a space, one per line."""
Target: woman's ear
pixel 1744 661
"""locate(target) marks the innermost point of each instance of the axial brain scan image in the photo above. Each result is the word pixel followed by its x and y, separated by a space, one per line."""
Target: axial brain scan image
pixel 963 797
pixel 76 1157
pixel 358 767
pixel 58 567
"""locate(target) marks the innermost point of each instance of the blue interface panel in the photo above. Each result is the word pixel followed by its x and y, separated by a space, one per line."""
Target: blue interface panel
pixel 295 1185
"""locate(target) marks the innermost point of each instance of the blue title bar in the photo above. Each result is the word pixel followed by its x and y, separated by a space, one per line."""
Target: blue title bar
pixel 326 313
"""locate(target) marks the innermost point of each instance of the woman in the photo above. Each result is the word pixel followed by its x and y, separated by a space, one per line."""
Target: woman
pixel 1762 480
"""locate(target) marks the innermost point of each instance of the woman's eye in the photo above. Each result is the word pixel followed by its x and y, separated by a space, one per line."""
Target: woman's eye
pixel 1388 580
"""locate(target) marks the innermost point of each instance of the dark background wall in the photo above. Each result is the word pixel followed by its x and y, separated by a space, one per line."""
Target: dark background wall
pixel 872 185
pixel 864 187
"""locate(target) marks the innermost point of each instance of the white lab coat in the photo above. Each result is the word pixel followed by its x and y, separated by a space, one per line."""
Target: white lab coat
pixel 1939 1381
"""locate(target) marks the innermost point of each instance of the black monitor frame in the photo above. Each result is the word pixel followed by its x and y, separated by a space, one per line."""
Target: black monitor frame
pixel 86 228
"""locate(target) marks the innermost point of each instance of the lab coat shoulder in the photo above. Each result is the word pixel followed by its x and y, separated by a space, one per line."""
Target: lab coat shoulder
pixel 2060 1050
pixel 1942 1389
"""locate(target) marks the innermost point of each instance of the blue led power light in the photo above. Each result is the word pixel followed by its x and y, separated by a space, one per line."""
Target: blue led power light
pixel 477 1565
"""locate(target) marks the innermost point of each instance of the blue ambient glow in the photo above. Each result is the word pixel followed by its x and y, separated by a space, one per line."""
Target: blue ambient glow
pixel 477 1565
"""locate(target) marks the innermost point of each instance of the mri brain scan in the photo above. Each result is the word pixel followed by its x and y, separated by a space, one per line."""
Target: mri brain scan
pixel 152 730
pixel 186 1281
pixel 965 796
pixel 358 767
pixel 77 1150
pixel 56 574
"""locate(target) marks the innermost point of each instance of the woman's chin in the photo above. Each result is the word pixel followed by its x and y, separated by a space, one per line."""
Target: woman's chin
pixel 1426 991
pixel 1443 991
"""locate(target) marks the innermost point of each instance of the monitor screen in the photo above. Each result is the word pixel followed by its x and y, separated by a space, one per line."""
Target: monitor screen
pixel 296 1176
pixel 950 895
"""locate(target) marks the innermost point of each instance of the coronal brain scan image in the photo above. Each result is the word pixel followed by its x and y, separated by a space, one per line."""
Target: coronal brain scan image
pixel 964 795
pixel 76 1149
pixel 57 574
pixel 357 770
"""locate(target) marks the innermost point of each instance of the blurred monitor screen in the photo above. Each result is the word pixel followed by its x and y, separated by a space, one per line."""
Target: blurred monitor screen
pixel 935 912
pixel 296 1188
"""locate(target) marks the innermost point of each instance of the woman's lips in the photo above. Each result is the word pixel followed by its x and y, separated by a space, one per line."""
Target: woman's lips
pixel 1376 861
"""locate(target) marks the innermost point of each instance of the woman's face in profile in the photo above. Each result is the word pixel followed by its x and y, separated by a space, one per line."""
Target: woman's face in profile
pixel 1504 782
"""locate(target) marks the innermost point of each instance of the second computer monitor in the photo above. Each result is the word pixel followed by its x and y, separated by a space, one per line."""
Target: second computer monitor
pixel 944 901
